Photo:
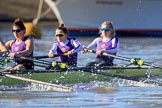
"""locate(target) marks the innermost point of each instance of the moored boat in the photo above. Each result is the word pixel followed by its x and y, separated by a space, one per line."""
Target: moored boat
pixel 130 17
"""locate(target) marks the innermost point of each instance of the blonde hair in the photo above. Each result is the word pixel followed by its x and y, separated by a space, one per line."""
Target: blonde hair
pixel 108 25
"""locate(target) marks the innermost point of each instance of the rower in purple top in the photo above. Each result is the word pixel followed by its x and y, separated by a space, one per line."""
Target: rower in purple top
pixel 64 44
pixel 21 46
pixel 107 42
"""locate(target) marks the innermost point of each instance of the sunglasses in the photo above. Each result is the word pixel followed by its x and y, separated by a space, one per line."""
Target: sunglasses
pixel 17 30
pixel 59 35
pixel 105 29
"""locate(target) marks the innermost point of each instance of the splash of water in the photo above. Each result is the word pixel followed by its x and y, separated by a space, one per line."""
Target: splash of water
pixel 118 82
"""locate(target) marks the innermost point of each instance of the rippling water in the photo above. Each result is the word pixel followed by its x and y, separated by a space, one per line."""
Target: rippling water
pixel 120 97
pixel 146 48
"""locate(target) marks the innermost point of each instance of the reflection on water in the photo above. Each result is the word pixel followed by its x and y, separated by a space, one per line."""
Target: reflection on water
pixel 132 97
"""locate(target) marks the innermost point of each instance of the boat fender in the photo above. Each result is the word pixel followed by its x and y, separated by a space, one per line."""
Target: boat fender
pixel 32 30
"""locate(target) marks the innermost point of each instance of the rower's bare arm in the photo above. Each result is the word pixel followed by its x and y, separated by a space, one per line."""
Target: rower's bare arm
pixel 29 48
pixel 2 47
pixel 8 44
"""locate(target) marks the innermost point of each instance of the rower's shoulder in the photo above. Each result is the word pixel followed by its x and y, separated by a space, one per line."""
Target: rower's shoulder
pixel 115 39
pixel 10 41
pixel 72 38
pixel 28 38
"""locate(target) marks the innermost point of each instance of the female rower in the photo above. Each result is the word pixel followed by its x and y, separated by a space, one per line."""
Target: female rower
pixel 21 46
pixel 65 45
pixel 107 42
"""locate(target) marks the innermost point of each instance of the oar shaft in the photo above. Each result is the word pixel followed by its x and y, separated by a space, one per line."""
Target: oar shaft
pixel 37 61
pixel 117 57
pixel 46 56
pixel 41 57
pixel 111 55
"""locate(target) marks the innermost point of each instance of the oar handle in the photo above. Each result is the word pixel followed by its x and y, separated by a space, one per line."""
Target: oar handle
pixel 91 51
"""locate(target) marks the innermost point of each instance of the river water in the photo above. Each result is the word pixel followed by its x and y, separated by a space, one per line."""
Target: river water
pixel 103 95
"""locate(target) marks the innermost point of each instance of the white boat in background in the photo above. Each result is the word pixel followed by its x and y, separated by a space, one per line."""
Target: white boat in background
pixel 130 17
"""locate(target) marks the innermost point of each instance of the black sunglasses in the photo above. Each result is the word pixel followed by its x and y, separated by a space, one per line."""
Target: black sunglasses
pixel 105 29
pixel 59 35
pixel 17 30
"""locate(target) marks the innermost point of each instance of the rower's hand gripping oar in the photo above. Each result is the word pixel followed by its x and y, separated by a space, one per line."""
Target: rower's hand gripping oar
pixel 135 61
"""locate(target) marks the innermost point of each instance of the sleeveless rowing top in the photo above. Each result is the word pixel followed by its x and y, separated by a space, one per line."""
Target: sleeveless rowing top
pixel 64 49
pixel 106 46
pixel 21 47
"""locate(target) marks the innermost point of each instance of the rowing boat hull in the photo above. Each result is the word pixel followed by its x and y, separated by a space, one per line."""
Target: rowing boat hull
pixel 55 77
pixel 72 77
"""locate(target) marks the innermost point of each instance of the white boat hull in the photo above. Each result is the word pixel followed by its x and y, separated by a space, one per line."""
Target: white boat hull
pixel 128 16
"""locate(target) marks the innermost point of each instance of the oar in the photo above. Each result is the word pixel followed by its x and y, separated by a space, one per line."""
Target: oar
pixel 40 57
pixel 46 56
pixel 56 87
pixel 6 60
pixel 50 63
pixel 135 61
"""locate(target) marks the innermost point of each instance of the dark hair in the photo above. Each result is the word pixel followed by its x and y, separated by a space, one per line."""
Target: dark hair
pixel 20 23
pixel 61 27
